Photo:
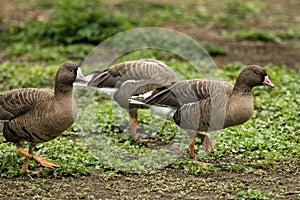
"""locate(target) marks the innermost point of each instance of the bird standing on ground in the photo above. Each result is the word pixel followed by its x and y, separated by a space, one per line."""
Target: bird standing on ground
pixel 39 115
pixel 205 104
pixel 130 78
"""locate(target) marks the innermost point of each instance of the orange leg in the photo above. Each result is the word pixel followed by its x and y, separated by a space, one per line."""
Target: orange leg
pixel 36 158
pixel 206 142
pixel 133 122
pixel 192 153
pixel 26 163
pixel 192 147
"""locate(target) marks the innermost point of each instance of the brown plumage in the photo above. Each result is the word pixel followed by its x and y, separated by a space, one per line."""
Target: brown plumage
pixel 130 78
pixel 39 115
pixel 208 104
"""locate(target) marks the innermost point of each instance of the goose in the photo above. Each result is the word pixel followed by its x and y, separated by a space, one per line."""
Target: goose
pixel 206 104
pixel 38 115
pixel 129 78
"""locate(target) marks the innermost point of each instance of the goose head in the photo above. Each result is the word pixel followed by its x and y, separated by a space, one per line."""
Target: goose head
pixel 68 73
pixel 254 75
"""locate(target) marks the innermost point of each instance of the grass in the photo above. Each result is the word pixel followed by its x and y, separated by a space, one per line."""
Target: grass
pixel 263 35
pixel 257 35
pixel 241 9
pixel 35 52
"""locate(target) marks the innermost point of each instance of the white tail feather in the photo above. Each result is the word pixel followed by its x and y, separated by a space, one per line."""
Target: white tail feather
pixel 163 111
pixel 135 102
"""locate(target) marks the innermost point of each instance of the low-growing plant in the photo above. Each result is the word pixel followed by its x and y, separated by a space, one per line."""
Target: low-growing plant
pixel 36 75
pixel 53 54
pixel 257 35
pixel 140 12
pixel 72 22
pixel 242 9
pixel 215 50
pixel 289 34
pixel 235 12
pixel 253 194
pixel 100 138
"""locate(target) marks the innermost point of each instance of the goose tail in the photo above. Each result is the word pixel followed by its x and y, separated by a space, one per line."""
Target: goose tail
pixel 139 100
pixel 163 111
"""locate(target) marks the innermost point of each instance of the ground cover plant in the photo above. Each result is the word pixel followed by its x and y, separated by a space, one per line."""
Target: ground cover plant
pixel 263 145
pixel 99 160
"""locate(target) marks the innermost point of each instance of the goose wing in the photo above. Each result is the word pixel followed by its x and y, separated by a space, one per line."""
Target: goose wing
pixel 184 92
pixel 132 70
pixel 20 101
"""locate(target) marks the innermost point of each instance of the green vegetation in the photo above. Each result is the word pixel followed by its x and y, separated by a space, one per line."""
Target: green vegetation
pixel 97 155
pixel 10 75
pixel 53 54
pixel 215 50
pixel 73 22
pixel 254 194
pixel 242 9
pixel 291 34
pixel 268 139
pixel 257 35
pixel 234 12
pixel 160 13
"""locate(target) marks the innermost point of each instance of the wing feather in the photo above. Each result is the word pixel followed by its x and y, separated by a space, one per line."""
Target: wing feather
pixel 147 69
pixel 19 101
pixel 187 91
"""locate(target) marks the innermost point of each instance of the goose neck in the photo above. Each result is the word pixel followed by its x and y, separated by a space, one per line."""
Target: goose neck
pixel 241 87
pixel 62 89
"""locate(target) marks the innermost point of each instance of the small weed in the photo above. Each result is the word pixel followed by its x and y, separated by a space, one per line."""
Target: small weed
pixel 253 194
pixel 191 167
pixel 241 9
pixel 291 34
pixel 215 50
pixel 257 35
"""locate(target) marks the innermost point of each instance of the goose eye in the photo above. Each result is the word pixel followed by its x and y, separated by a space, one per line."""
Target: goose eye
pixel 257 73
pixel 71 70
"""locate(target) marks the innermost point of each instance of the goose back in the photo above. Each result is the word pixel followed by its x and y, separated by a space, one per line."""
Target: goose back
pixel 188 91
pixel 147 69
